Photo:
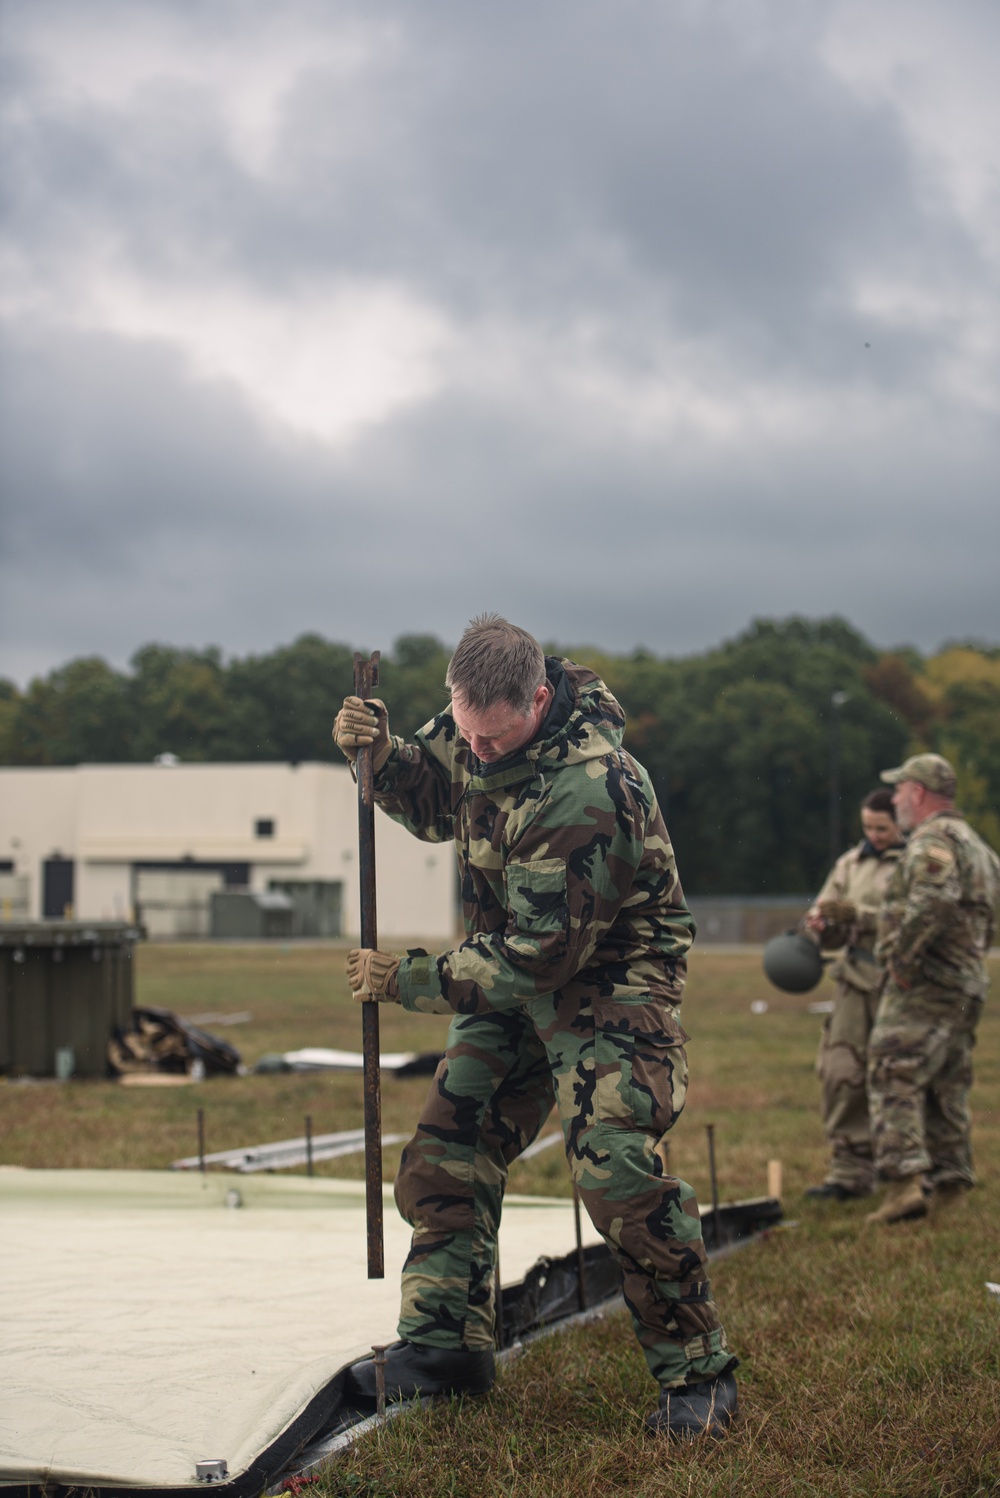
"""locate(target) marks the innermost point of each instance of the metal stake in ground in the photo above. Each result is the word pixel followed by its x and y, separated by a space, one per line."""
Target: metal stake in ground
pixel 498 1327
pixel 716 1224
pixel 581 1268
pixel 365 678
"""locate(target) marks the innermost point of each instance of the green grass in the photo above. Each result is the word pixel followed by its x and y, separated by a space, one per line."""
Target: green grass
pixel 870 1359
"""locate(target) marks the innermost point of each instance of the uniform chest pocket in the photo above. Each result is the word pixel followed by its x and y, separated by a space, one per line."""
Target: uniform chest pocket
pixel 536 895
pixel 641 1068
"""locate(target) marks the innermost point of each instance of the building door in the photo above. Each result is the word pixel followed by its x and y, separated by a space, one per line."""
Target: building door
pixel 316 905
pixel 57 889
pixel 174 899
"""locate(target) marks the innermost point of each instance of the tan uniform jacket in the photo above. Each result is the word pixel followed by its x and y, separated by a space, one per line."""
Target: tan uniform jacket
pixel 863 881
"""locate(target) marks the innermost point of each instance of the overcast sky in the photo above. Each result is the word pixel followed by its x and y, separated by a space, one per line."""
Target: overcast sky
pixel 632 319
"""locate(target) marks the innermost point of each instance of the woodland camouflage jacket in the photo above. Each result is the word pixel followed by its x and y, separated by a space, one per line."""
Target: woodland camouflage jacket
pixel 937 920
pixel 568 878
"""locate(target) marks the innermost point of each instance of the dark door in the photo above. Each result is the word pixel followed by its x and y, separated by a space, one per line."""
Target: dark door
pixel 57 887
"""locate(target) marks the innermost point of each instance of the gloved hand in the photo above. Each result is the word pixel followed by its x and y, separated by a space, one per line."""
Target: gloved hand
pixel 837 912
pixel 372 975
pixel 360 722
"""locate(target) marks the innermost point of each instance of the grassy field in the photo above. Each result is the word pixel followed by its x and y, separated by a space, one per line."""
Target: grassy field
pixel 870 1359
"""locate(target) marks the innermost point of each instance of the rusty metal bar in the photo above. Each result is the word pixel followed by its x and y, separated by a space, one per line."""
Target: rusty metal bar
pixel 716 1224
pixel 581 1268
pixel 498 1329
pixel 365 679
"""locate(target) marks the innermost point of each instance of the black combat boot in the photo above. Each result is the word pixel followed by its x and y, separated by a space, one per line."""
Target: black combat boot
pixel 695 1410
pixel 833 1191
pixel 412 1369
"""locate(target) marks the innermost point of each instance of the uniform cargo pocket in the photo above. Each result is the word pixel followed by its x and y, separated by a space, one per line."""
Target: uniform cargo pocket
pixel 641 1067
pixel 536 896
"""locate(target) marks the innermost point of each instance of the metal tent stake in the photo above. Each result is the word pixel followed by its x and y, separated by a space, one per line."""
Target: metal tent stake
pixel 716 1224
pixel 581 1267
pixel 365 679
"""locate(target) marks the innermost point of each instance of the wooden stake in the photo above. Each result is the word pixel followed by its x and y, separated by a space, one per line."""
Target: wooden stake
pixel 379 1361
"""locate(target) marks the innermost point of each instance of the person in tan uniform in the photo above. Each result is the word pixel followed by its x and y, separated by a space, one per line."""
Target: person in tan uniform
pixel 845 916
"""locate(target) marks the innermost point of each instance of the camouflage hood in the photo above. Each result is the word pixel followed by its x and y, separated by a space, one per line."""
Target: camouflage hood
pixel 584 722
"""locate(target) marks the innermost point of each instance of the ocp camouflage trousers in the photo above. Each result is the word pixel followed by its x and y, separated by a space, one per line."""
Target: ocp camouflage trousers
pixel 919 1077
pixel 619 1085
pixel 841 1065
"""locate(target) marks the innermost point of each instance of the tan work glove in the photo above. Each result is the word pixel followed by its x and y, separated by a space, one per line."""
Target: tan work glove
pixel 359 723
pixel 372 975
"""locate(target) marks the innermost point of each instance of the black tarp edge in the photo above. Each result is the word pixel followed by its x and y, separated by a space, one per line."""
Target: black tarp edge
pixel 547 1298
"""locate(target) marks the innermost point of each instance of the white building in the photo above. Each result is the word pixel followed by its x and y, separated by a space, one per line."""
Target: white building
pixel 153 842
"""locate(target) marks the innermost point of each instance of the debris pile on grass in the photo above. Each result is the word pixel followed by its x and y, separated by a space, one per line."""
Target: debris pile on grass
pixel 158 1041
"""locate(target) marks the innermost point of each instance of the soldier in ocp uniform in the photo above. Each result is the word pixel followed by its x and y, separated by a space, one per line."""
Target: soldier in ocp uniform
pixel 566 989
pixel 844 915
pixel 935 929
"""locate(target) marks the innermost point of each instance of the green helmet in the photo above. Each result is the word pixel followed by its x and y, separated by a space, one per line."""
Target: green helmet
pixel 792 962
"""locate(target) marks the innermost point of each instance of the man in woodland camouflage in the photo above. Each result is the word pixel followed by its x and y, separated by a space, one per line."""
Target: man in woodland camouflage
pixel 935 928
pixel 566 989
pixel 844 916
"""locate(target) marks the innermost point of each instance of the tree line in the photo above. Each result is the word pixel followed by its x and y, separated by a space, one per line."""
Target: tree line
pixel 739 740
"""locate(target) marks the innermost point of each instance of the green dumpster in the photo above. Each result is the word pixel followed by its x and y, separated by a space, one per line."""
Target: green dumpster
pixel 65 986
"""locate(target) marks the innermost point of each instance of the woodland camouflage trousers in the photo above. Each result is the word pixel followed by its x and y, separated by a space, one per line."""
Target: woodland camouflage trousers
pixel 618 1086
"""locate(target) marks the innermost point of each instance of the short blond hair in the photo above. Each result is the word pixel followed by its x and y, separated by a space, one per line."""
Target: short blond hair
pixel 496 662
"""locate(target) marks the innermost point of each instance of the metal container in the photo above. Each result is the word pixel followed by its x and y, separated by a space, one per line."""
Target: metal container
pixel 65 986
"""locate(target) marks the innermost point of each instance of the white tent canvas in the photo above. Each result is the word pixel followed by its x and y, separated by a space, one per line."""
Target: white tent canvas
pixel 148 1325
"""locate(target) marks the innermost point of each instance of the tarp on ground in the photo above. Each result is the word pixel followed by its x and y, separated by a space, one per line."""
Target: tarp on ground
pixel 149 1322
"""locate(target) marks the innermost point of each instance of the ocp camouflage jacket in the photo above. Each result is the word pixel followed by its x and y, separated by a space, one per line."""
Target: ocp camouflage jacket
pixel 568 878
pixel 937 920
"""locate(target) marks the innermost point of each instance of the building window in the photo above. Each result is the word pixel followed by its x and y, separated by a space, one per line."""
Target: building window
pixel 264 827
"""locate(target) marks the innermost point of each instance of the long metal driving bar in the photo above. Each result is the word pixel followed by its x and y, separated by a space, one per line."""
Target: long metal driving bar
pixel 365 680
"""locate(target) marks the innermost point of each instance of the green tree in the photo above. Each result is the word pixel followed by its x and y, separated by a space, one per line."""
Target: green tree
pixel 282 705
pixel 737 741
pixel 178 702
pixel 411 681
pixel 77 714
pixel 10 705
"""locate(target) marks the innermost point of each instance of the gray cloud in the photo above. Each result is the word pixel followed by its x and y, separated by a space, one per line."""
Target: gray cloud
pixel 676 318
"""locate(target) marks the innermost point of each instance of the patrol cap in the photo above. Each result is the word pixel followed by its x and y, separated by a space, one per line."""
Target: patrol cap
pixel 930 770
